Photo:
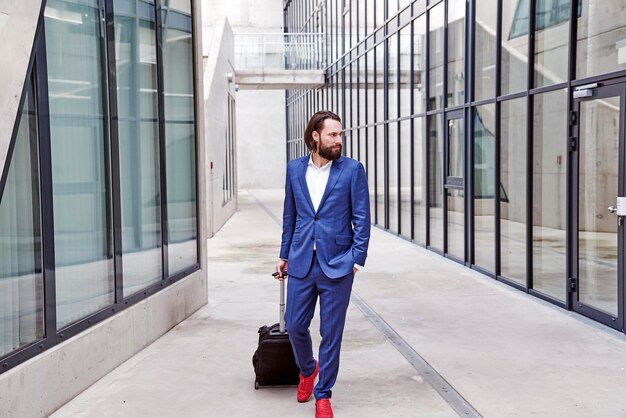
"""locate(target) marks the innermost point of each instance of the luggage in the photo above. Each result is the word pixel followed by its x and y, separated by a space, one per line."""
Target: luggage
pixel 273 361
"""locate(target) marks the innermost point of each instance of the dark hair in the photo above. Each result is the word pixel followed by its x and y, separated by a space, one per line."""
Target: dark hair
pixel 315 124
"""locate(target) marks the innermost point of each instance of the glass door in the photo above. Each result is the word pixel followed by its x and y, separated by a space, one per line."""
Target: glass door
pixel 599 186
pixel 454 185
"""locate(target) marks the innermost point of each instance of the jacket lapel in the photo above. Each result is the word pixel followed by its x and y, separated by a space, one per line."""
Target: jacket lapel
pixel 302 178
pixel 335 171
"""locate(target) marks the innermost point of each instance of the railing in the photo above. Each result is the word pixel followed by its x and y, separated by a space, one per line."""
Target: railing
pixel 284 51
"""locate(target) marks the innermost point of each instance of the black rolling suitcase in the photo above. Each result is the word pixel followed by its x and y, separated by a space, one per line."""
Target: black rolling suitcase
pixel 273 361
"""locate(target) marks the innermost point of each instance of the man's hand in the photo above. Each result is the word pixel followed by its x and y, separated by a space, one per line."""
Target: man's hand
pixel 354 270
pixel 281 267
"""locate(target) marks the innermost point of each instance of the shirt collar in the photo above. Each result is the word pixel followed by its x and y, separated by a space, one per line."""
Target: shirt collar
pixel 326 166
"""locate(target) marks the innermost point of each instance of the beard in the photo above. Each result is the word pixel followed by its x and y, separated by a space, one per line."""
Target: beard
pixel 329 153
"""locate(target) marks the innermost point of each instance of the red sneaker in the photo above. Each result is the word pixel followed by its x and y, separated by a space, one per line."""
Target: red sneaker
pixel 305 388
pixel 323 408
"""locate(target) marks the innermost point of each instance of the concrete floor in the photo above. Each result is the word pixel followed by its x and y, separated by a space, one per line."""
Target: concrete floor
pixel 506 353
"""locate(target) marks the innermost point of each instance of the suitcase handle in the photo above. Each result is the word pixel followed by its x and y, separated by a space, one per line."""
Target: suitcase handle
pixel 281 313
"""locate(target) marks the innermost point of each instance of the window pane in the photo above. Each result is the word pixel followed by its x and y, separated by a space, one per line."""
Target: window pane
pixel 601 46
pixel 484 187
pixel 456 52
pixel 514 53
pixel 179 5
pixel 371 103
pixel 380 174
pixel 419 65
pixel 549 193
pixel 435 82
pixel 485 50
pixel 405 71
pixel 379 79
pixel 21 280
pixel 139 144
pixel 81 198
pixel 456 197
pixel 513 174
pixel 419 182
pixel 181 149
pixel 392 80
pixel 393 177
pixel 435 180
pixel 551 38
pixel 405 178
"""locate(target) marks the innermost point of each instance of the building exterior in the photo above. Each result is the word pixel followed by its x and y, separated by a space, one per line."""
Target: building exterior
pixel 492 133
pixel 105 196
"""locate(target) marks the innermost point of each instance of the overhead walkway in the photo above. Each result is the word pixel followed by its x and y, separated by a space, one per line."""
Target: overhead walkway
pixel 279 61
pixel 425 337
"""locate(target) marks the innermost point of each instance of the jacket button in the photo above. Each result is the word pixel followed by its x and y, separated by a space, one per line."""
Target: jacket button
pixel 316 218
pixel 312 238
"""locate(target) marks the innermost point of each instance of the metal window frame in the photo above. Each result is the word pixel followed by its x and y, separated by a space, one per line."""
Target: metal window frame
pixel 37 74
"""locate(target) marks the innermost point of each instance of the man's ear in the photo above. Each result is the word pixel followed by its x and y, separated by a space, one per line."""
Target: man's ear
pixel 316 136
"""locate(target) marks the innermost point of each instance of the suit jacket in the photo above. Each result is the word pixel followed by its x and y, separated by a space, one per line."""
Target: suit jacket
pixel 341 226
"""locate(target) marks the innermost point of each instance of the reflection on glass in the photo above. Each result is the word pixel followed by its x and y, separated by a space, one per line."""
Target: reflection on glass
pixel 380 174
pixel 379 80
pixel 393 177
pixel 484 187
pixel 456 223
pixel 485 49
pixel 435 81
pixel 456 52
pixel 597 228
pixel 405 71
pixel 362 92
pixel 21 280
pixel 419 65
pixel 435 181
pixel 371 103
pixel 139 144
pixel 514 55
pixel 549 193
pixel 456 148
pixel 183 6
pixel 513 196
pixel 455 196
pixel 392 92
pixel 551 39
pixel 601 45
pixel 82 220
pixel 180 149
pixel 405 178
pixel 371 171
pixel 419 180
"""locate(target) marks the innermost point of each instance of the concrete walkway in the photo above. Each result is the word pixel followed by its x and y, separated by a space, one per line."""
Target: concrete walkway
pixel 423 334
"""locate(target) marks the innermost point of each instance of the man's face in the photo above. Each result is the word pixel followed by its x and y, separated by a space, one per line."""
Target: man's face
pixel 329 139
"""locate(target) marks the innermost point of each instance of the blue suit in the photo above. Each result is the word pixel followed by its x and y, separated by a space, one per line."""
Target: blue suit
pixel 340 229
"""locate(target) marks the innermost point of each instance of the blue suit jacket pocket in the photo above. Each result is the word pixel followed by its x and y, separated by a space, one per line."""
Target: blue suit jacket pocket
pixel 343 239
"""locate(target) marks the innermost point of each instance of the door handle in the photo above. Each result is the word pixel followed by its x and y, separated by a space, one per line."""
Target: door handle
pixel 612 209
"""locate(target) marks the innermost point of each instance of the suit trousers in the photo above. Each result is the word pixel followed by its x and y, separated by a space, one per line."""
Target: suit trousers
pixel 334 296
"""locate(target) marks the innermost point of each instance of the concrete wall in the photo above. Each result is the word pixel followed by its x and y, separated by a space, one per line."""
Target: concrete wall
pixel 261 136
pixel 18 22
pixel 218 65
pixel 44 383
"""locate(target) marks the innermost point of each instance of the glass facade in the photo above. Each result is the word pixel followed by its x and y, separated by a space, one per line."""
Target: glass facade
pixel 471 122
pixel 21 275
pixel 98 206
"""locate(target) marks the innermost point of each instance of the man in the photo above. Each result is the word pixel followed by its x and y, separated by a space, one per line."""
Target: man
pixel 326 231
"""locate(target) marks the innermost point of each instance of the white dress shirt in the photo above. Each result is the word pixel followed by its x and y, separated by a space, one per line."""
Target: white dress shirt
pixel 316 180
